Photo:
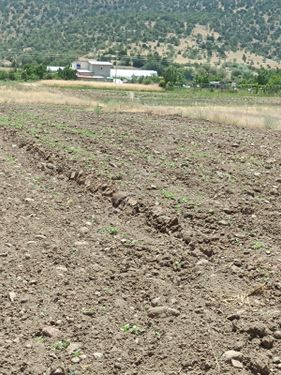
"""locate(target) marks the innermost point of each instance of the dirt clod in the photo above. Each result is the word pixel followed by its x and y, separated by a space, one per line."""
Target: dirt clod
pixel 51 331
pixel 162 311
pixel 58 371
pixel 231 354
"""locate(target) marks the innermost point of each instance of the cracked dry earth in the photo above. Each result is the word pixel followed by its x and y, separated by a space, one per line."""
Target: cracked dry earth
pixel 88 289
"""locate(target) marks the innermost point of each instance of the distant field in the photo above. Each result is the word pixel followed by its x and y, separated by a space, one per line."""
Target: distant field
pixel 100 85
pixel 242 109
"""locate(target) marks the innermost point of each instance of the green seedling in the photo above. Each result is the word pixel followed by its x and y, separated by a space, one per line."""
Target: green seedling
pixel 98 109
pixel 257 245
pixel 61 345
pixel 158 334
pixel 177 265
pixel 131 328
pixel 40 339
pixel 72 372
pixel 111 230
pixel 77 353
pixel 168 194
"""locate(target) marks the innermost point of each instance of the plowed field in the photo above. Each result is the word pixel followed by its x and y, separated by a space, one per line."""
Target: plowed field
pixel 137 244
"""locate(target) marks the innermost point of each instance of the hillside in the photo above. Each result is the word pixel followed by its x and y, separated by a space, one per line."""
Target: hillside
pixel 59 30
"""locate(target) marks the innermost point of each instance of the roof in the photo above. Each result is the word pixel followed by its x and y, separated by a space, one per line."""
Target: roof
pixel 54 68
pixel 83 71
pixel 94 62
pixel 129 73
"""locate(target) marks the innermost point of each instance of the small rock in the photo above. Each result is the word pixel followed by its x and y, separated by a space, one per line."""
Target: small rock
pixel 29 200
pixel 163 311
pixel 257 329
pixel 186 236
pixel 236 364
pixel 267 342
pixel 61 269
pixel 58 371
pixel 75 360
pixel 239 345
pixel 223 222
pixel 231 354
pixel 202 262
pixel 155 302
pixel 276 360
pixel 98 355
pixel 84 230
pixel 12 296
pixel 259 365
pixel 50 331
pixel 80 243
pixel 40 237
pixel 277 335
pixel 234 316
pixel 118 198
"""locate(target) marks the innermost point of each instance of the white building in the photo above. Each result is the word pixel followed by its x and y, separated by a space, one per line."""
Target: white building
pixel 103 70
pixel 92 69
pixel 128 74
pixel 54 69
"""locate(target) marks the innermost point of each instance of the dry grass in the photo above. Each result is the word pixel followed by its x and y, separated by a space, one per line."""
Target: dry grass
pixel 32 94
pixel 251 117
pixel 100 85
pixel 262 116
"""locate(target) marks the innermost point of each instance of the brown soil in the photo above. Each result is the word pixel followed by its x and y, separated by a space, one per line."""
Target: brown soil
pixel 136 244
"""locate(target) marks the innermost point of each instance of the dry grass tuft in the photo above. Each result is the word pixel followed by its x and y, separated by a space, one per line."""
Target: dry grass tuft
pixel 100 85
pixel 32 94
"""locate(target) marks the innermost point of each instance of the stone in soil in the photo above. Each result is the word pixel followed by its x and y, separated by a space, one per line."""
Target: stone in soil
pixel 231 354
pixel 51 331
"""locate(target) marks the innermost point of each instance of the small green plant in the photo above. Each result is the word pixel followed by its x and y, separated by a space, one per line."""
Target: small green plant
pixel 98 110
pixel 72 372
pixel 12 159
pixel 270 122
pixel 40 339
pixel 131 328
pixel 177 265
pixel 77 353
pixel 257 245
pixel 111 230
pixel 158 334
pixel 61 345
pixel 168 194
pixel 130 243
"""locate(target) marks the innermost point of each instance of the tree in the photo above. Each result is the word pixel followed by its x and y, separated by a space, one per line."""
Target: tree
pixel 173 76
pixel 67 73
pixel 263 77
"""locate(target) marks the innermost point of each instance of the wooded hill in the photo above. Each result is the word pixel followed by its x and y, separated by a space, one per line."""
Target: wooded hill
pixel 61 30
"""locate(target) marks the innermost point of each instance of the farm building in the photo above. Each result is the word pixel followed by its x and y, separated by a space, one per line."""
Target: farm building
pixel 92 69
pixel 128 74
pixel 103 70
pixel 54 69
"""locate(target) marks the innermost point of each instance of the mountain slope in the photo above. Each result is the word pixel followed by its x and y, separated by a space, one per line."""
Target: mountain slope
pixel 52 28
